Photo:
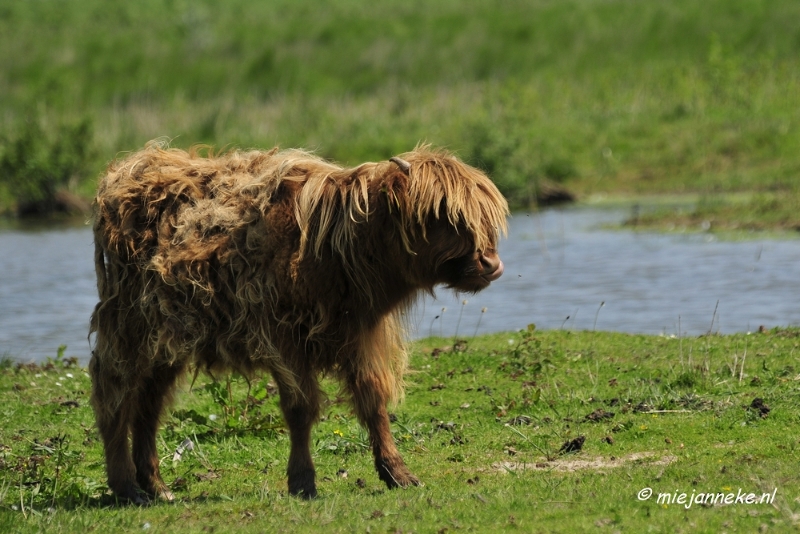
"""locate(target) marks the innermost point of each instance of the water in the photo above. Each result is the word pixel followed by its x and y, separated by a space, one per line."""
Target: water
pixel 47 292
pixel 560 267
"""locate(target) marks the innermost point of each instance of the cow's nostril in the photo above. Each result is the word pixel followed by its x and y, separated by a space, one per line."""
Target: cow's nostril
pixel 492 267
pixel 489 264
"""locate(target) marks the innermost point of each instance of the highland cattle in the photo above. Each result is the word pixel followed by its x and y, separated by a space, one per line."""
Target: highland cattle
pixel 273 261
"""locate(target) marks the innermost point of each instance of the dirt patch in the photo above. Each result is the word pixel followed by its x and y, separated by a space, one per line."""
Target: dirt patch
pixel 577 464
pixel 573 445
pixel 760 406
pixel 598 415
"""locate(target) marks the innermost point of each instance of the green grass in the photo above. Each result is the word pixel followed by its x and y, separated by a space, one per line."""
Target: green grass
pixel 611 96
pixel 737 215
pixel 482 426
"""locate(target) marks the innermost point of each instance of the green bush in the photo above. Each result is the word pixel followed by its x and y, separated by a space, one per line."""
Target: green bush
pixel 34 167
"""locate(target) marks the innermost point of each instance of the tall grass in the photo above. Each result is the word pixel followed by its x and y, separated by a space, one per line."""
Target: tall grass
pixel 599 95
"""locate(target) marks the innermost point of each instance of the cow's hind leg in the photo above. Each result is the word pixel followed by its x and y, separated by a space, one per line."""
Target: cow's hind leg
pixel 301 410
pixel 369 400
pixel 154 392
pixel 112 409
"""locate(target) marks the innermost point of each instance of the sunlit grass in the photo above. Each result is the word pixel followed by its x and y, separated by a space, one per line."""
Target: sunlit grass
pixel 484 426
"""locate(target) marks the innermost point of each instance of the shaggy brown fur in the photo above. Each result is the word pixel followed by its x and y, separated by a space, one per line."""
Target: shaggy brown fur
pixel 273 261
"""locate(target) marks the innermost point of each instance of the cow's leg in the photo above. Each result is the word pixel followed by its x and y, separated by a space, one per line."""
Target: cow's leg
pixel 112 407
pixel 153 394
pixel 369 399
pixel 301 410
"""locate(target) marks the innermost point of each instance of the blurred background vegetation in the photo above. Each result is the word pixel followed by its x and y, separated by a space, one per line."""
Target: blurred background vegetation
pixel 595 96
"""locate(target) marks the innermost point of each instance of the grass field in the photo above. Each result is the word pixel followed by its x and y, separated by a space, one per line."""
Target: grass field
pixel 486 425
pixel 611 96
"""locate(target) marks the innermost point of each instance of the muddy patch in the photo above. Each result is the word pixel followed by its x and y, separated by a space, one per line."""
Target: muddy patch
pixel 577 464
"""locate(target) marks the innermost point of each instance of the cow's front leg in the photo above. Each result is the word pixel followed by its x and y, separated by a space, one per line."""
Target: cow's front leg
pixel 301 410
pixel 155 392
pixel 369 399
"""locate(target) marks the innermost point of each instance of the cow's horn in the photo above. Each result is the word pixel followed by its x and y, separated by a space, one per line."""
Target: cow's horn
pixel 403 164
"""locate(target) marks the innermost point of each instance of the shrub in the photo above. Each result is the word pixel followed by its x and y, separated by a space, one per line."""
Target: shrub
pixel 35 168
